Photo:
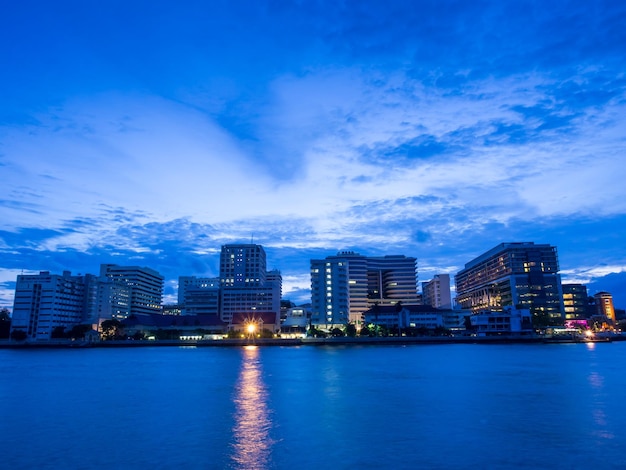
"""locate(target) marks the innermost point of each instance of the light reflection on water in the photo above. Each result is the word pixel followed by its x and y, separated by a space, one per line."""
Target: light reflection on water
pixel 252 444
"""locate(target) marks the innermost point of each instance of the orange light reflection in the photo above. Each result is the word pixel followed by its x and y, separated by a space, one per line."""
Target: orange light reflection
pixel 252 443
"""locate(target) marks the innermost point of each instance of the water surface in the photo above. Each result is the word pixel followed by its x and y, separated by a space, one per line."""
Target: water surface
pixel 421 406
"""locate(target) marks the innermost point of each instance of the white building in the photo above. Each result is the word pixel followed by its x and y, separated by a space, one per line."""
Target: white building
pixel 145 284
pixel 344 286
pixel 46 301
pixel 506 322
pixel 436 292
pixel 105 299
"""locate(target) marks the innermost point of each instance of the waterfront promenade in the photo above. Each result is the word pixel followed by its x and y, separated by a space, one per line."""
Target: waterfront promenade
pixel 333 341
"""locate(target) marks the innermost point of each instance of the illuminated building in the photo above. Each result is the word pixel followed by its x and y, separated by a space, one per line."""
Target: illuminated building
pixel 46 301
pixel 575 301
pixel 436 292
pixel 145 284
pixel 604 305
pixel 344 286
pixel 248 290
pixel 519 275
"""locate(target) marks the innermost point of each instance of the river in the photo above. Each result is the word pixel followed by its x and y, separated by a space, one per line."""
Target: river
pixel 354 407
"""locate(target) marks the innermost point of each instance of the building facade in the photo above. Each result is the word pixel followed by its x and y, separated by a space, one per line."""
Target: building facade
pixel 145 284
pixel 199 295
pixel 46 301
pixel 247 289
pixel 575 301
pixel 519 275
pixel 604 305
pixel 344 286
pixel 436 292
pixel 105 299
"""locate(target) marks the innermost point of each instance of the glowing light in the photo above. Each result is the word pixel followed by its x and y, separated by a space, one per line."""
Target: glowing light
pixel 251 328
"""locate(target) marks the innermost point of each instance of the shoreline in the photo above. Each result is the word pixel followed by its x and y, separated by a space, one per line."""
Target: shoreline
pixel 340 341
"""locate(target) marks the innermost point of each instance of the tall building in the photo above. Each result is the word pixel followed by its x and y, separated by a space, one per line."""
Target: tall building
pixel 344 286
pixel 604 305
pixel 145 284
pixel 46 301
pixel 575 301
pixel 248 290
pixel 436 292
pixel 521 275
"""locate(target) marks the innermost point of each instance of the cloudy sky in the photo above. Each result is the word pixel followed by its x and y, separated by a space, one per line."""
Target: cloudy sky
pixel 153 132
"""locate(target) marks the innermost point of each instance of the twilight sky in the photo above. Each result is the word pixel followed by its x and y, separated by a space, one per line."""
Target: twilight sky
pixel 153 132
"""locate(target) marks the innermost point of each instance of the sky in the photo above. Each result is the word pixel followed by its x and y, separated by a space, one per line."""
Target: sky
pixel 153 132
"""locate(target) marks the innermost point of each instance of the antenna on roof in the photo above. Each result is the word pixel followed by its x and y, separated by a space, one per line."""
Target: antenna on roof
pixel 252 239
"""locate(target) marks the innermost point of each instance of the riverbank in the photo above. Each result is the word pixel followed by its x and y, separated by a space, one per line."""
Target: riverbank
pixel 338 341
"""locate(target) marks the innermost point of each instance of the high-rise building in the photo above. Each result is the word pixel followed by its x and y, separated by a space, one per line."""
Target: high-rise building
pixel 521 275
pixel 604 305
pixel 575 301
pixel 145 284
pixel 248 290
pixel 436 292
pixel 344 286
pixel 46 301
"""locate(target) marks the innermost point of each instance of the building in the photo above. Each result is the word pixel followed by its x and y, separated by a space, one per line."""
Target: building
pixel 145 284
pixel 604 305
pixel 344 286
pixel 436 292
pixel 519 275
pixel 248 291
pixel 199 295
pixel 44 302
pixel 105 299
pixel 575 301
pixel 404 317
pixel 508 322
pixel 296 322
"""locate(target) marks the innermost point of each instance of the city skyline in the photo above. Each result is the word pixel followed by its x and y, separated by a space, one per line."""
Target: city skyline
pixel 151 135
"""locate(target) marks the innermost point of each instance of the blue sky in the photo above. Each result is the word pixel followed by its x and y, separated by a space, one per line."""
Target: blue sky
pixel 152 133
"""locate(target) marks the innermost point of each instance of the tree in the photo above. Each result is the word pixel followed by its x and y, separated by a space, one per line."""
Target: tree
pixel 5 323
pixel 316 332
pixel 336 332
pixel 5 315
pixel 58 332
pixel 79 331
pixel 350 330
pixel 19 335
pixel 365 331
pixel 111 329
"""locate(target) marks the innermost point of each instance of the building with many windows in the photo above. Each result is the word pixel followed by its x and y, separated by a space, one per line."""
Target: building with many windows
pixel 604 305
pixel 519 275
pixel 344 286
pixel 199 295
pixel 248 290
pixel 46 301
pixel 145 284
pixel 575 301
pixel 105 299
pixel 436 292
